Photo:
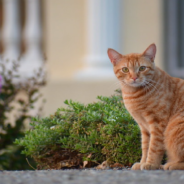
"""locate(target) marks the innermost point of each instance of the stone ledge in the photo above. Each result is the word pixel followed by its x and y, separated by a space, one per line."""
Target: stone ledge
pixel 91 176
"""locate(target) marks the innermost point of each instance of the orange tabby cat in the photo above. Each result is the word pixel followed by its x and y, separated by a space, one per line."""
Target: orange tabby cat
pixel 156 102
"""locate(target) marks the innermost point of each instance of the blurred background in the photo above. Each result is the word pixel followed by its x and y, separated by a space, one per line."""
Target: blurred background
pixel 74 35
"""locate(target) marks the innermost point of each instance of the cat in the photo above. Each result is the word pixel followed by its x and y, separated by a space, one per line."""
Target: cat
pixel 156 102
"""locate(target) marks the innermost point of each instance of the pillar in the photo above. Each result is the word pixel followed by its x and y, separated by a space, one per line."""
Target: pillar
pixel 11 30
pixel 103 31
pixel 32 60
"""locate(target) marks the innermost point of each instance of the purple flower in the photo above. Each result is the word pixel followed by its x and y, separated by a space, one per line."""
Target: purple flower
pixel 1 82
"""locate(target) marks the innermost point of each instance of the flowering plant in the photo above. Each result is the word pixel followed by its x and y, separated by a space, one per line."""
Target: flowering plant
pixel 1 80
pixel 17 98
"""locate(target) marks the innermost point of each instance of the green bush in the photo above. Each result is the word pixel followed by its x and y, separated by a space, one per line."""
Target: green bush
pixel 14 127
pixel 97 132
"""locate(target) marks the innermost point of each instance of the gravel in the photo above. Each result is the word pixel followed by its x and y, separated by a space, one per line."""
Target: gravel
pixel 91 176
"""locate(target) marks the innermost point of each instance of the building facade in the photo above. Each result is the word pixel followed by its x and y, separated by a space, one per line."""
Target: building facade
pixel 74 35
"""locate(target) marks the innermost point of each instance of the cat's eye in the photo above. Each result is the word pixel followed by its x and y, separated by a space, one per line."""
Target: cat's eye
pixel 142 68
pixel 125 69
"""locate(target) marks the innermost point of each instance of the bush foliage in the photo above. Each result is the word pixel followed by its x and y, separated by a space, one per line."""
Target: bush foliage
pixel 96 132
pixel 12 127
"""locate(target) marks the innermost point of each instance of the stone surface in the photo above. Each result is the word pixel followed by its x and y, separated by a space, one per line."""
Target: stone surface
pixel 91 176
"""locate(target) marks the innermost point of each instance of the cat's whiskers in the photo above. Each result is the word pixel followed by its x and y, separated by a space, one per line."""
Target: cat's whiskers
pixel 146 87
pixel 150 85
pixel 156 83
pixel 123 83
pixel 116 84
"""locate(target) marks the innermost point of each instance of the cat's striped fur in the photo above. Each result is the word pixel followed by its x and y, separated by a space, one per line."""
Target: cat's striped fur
pixel 156 102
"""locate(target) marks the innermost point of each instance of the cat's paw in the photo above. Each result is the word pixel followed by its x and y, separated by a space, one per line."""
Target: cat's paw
pixel 174 166
pixel 147 166
pixel 167 166
pixel 136 166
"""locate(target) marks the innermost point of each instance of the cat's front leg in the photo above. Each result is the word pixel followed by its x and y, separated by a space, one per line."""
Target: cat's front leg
pixel 155 152
pixel 145 138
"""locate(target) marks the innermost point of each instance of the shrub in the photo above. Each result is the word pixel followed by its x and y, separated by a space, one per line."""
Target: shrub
pixel 96 132
pixel 11 102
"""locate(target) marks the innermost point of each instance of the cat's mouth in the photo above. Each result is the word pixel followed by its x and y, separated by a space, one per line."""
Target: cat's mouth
pixel 135 84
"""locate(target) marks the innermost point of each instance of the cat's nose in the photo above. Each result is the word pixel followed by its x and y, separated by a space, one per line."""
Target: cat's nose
pixel 134 78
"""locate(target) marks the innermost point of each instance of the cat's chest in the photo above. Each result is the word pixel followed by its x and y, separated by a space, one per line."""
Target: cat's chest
pixel 137 112
pixel 137 108
pixel 139 101
pixel 134 104
pixel 134 107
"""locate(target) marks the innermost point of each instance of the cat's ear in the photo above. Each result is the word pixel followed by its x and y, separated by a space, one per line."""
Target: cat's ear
pixel 114 56
pixel 150 52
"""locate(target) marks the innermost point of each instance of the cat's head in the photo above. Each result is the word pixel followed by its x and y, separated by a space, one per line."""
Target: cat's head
pixel 134 69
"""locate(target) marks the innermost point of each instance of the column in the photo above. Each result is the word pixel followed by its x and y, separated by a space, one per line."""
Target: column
pixel 103 32
pixel 11 30
pixel 0 53
pixel 32 60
